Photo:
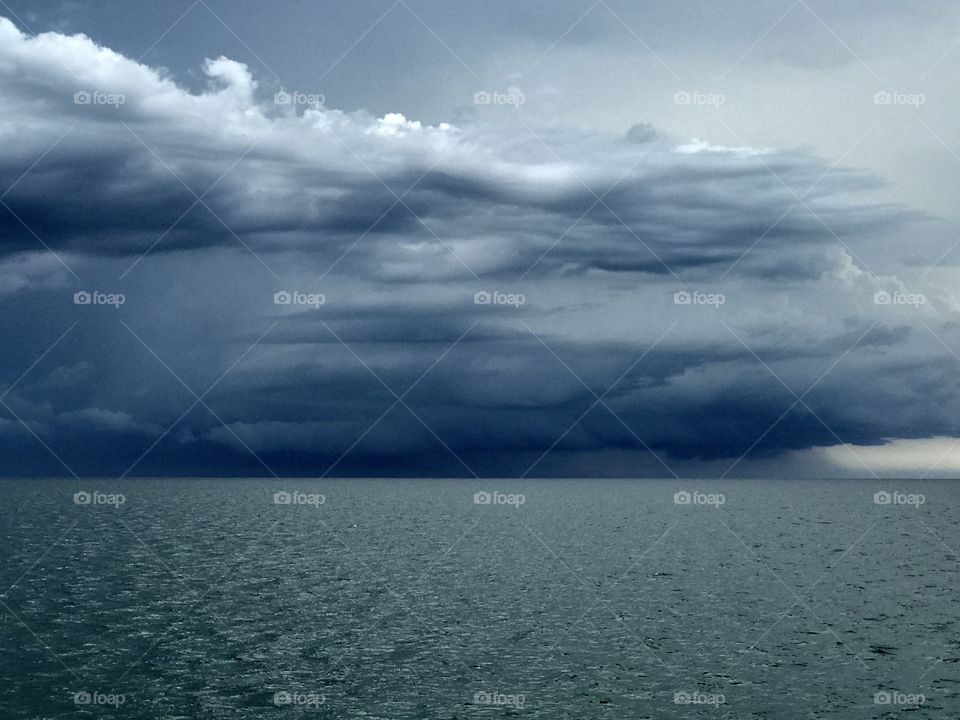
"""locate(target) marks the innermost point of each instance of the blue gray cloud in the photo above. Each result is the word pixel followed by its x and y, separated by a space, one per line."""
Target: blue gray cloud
pixel 648 303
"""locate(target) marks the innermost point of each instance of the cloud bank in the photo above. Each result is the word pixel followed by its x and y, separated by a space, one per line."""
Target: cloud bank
pixel 647 304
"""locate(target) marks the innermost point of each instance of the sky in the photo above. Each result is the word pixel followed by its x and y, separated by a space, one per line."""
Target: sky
pixel 423 238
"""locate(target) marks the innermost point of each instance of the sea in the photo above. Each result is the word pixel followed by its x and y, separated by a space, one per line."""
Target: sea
pixel 453 599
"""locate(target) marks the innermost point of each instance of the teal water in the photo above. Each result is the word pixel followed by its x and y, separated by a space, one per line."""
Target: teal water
pixel 406 599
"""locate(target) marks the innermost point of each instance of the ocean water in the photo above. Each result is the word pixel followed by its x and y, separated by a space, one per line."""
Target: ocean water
pixel 199 598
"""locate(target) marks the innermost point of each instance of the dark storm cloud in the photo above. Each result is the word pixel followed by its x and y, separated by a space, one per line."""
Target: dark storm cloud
pixel 596 234
pixel 124 178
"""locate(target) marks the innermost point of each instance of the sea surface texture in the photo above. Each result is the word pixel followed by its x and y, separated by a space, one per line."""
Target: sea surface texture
pixel 389 599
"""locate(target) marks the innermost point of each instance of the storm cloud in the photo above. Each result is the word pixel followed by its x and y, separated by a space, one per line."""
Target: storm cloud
pixel 311 291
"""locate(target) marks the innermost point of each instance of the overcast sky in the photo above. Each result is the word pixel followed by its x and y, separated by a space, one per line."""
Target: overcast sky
pixel 543 238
